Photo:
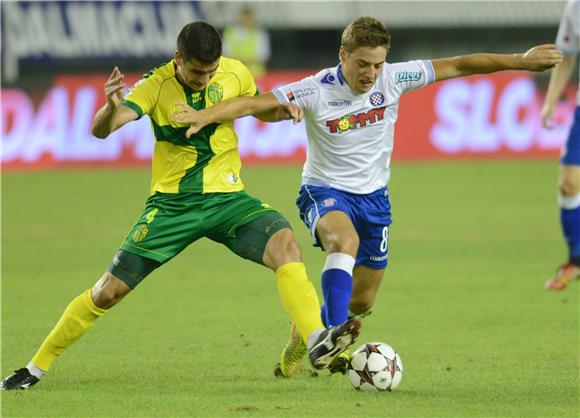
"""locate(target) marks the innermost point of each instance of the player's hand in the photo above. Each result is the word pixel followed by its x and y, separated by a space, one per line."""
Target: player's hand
pixel 186 114
pixel 114 88
pixel 288 111
pixel 541 57
pixel 548 111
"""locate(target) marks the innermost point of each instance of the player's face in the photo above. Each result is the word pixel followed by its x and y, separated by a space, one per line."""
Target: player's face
pixel 361 67
pixel 193 73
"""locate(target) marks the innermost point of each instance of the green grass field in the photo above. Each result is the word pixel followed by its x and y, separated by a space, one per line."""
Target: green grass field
pixel 462 302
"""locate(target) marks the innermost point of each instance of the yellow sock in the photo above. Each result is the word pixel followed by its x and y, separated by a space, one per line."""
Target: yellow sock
pixel 299 298
pixel 76 319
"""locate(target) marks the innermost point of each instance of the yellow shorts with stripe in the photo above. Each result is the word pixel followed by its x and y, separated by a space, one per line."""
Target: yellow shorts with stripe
pixel 170 222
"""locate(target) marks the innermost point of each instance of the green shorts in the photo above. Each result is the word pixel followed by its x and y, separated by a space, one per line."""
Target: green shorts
pixel 170 222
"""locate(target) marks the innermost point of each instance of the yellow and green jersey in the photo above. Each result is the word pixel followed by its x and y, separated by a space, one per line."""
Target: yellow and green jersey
pixel 207 162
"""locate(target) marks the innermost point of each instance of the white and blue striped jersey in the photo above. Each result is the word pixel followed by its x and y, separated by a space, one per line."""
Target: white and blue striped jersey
pixel 350 135
pixel 568 39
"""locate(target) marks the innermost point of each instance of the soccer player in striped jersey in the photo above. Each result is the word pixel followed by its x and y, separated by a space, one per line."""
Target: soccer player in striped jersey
pixel 568 41
pixel 350 112
pixel 196 191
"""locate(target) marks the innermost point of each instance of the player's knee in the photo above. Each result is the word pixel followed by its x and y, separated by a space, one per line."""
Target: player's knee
pixel 343 243
pixel 109 291
pixel 569 185
pixel 281 249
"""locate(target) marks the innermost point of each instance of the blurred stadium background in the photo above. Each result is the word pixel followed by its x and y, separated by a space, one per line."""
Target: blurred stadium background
pixel 56 56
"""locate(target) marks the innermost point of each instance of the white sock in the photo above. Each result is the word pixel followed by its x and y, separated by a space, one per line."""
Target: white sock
pixel 35 371
pixel 569 202
pixel 341 261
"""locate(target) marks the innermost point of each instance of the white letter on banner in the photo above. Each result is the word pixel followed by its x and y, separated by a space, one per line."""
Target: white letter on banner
pixel 58 43
pixel 519 94
pixel 167 33
pixel 49 128
pixel 84 27
pixel 481 135
pixel 14 44
pixel 130 15
pixel 35 25
pixel 452 105
pixel 111 36
pixel 17 115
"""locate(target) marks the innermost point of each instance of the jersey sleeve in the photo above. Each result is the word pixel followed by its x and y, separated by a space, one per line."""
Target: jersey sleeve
pixel 143 96
pixel 568 38
pixel 304 93
pixel 411 75
pixel 247 83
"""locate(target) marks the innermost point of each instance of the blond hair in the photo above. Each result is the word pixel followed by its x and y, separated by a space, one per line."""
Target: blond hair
pixel 365 31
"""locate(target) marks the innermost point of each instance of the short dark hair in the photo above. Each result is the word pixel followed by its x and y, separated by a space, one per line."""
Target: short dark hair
pixel 200 41
pixel 365 31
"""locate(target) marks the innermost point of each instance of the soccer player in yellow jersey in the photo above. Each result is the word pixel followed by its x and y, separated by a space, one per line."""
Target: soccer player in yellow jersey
pixel 196 191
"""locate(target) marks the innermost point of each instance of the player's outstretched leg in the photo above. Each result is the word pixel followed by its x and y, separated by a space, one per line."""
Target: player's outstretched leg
pixel 78 317
pixel 333 341
pixel 291 355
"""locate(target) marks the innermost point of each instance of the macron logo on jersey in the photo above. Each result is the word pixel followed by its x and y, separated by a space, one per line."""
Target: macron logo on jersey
pixel 351 122
pixel 403 76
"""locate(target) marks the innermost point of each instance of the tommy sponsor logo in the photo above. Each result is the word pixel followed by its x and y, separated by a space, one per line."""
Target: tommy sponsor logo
pixel 351 122
pixel 340 103
pixel 329 201
pixel 403 76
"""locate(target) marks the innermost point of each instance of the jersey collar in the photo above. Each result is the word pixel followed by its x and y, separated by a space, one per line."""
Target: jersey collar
pixel 343 82
pixel 339 74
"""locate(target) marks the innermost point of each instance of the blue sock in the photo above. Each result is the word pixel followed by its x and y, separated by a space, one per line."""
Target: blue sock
pixel 337 288
pixel 570 219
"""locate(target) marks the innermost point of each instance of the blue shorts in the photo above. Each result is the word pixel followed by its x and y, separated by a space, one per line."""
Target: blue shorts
pixel 370 214
pixel 571 151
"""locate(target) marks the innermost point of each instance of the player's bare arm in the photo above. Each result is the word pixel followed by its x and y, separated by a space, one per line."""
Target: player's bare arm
pixel 538 58
pixel 265 107
pixel 558 80
pixel 112 115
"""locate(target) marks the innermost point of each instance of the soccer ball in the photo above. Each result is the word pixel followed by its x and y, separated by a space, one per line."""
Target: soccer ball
pixel 375 367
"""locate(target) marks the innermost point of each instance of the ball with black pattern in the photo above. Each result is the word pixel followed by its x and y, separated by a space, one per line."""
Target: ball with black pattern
pixel 375 367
